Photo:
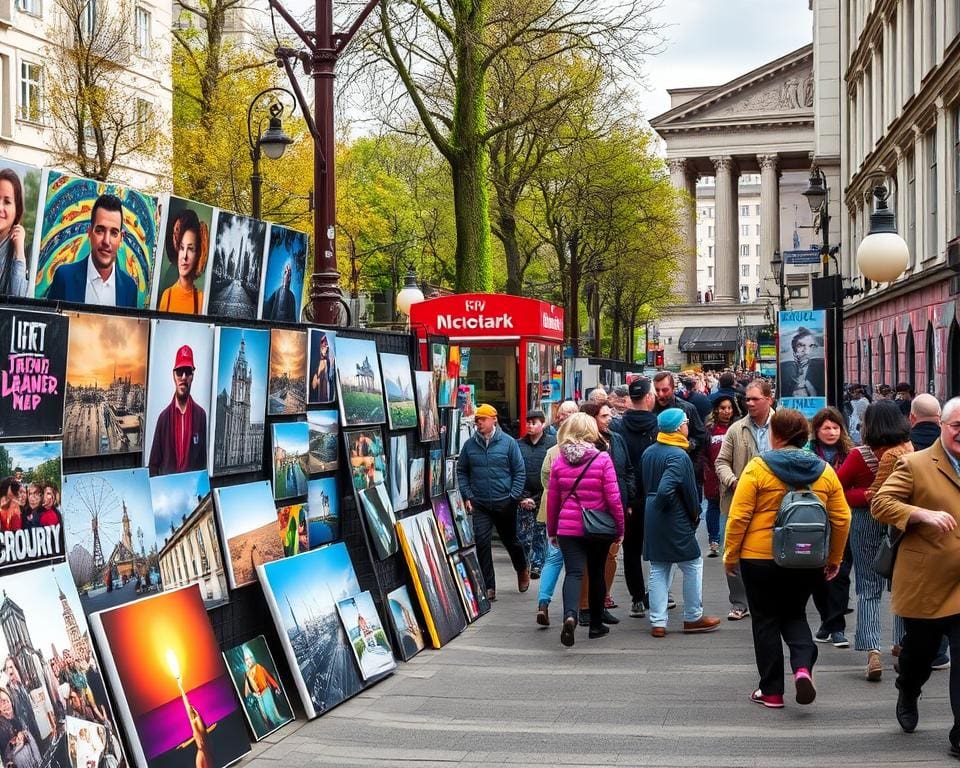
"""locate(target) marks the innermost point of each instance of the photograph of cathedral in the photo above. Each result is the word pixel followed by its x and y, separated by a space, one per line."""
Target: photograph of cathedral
pixel 237 276
pixel 241 357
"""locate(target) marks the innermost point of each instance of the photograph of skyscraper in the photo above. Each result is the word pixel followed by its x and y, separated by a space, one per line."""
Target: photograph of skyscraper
pixel 240 383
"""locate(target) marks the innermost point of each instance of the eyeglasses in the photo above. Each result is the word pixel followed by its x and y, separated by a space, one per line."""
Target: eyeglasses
pixel 182 372
pixel 954 425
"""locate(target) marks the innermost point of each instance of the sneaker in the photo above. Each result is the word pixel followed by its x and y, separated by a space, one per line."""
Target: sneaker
pixel 637 611
pixel 806 693
pixel 543 614
pixel 714 549
pixel 822 636
pixel 941 662
pixel 534 574
pixel 569 627
pixel 771 700
pixel 703 624
pixel 584 618
pixel 736 614
pixel 671 603
pixel 609 602
pixel 609 618
pixel 596 632
pixel 874 666
pixel 839 640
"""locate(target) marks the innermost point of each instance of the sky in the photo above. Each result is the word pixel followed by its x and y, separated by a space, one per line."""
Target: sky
pixel 244 508
pixel 103 344
pixel 28 456
pixel 292 436
pixel 105 493
pixel 175 496
pixel 288 352
pixel 256 345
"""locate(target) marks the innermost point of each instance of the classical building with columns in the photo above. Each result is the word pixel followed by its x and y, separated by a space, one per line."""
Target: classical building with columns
pixel 899 74
pixel 758 127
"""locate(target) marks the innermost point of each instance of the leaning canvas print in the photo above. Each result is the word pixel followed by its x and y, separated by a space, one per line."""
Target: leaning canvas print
pixel 302 594
pixel 248 524
pixel 432 579
pixel 359 383
pixel 448 532
pixel 405 624
pixel 291 445
pixel 237 272
pixel 428 415
pixel 321 366
pixel 472 563
pixel 283 281
pixel 380 518
pixel 398 383
pixel 398 475
pixel 368 639
pixel 172 688
pixel 465 587
pixel 324 429
pixel 461 519
pixel 323 511
pixel 53 679
pixel 31 525
pixel 257 682
pixel 288 371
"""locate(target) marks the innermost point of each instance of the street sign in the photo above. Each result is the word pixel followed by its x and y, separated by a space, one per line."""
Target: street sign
pixel 809 255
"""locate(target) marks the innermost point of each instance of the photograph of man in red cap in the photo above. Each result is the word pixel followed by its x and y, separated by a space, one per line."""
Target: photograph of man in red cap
pixel 180 435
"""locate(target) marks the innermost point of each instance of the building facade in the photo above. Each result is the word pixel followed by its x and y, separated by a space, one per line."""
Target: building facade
pixel 191 555
pixel 899 72
pixel 31 73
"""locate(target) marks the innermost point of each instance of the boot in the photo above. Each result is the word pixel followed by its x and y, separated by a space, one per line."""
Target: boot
pixel 543 614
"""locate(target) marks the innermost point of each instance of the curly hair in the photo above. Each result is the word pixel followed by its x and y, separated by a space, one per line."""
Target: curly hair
pixel 187 221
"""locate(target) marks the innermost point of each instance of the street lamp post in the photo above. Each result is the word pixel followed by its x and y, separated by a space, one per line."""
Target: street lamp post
pixel 777 265
pixel 272 142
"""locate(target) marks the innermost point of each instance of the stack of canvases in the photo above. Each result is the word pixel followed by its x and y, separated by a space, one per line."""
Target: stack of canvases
pixel 190 400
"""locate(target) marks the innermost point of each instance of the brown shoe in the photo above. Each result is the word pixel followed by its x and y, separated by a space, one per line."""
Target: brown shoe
pixel 491 595
pixel 658 632
pixel 874 667
pixel 703 624
pixel 543 614
pixel 523 580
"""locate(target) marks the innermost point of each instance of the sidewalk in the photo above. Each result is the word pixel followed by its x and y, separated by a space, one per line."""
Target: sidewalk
pixel 507 693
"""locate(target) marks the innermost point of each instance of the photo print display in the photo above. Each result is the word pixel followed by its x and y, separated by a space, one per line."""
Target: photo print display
pixel 283 281
pixel 291 445
pixel 438 358
pixel 427 413
pixel 436 472
pixel 321 366
pixel 405 625
pixel 445 524
pixel 417 482
pixel 257 683
pixel 324 430
pixel 453 418
pixel 174 694
pixel 181 274
pixel 109 523
pixel 106 392
pixel 288 371
pixel 472 563
pixel 292 523
pixel 237 271
pixel 248 524
pixel 241 359
pixel 380 518
pixel 75 241
pixel 368 638
pixel 33 372
pixel 302 594
pixel 178 397
pixel 359 383
pixel 31 532
pixel 368 464
pixel 53 680
pixel 461 519
pixel 21 184
pixel 323 511
pixel 432 579
pixel 449 474
pixel 397 477
pixel 398 384
pixel 802 374
pixel 465 586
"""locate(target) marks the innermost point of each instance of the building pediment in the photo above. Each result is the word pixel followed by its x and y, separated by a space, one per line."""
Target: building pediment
pixel 780 91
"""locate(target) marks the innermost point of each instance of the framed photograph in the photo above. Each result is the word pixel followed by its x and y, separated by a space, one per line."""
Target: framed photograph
pixel 465 587
pixel 405 624
pixel 449 474
pixel 236 279
pixel 288 372
pixel 21 184
pixel 365 452
pixel 323 511
pixel 448 531
pixel 181 276
pixel 248 524
pixel 106 393
pixel 436 472
pixel 366 634
pixel 398 475
pixel 461 518
pixel 472 564
pixel 427 413
pixel 321 366
pixel 257 683
pixel 398 383
pixel 360 385
pixel 378 512
pixel 453 417
pixel 291 444
pixel 292 521
pixel 31 525
pixel 283 279
pixel 417 481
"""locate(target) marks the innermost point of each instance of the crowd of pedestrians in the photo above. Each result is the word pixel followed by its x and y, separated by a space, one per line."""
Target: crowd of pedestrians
pixel 625 479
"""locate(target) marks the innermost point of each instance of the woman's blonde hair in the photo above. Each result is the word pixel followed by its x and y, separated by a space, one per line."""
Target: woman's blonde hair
pixel 578 428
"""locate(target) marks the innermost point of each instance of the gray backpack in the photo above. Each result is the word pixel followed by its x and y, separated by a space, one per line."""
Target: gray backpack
pixel 801 533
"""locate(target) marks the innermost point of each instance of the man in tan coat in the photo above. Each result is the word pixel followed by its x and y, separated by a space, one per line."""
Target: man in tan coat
pixel 922 498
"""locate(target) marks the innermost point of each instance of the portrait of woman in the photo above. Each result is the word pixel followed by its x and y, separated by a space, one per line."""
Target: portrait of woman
pixel 13 236
pixel 188 240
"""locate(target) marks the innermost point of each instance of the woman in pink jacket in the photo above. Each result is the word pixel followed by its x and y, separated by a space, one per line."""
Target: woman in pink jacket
pixel 596 489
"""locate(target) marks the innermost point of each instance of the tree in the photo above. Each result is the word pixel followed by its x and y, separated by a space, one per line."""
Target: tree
pixel 98 123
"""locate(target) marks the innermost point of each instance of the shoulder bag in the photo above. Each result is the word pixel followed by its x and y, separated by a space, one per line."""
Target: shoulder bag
pixel 886 556
pixel 598 524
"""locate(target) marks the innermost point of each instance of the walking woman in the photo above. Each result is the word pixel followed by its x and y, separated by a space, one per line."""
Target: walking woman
pixel 718 422
pixel 778 596
pixel 581 478
pixel 832 443
pixel 884 428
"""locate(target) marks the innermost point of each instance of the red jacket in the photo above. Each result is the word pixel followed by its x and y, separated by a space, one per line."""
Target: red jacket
pixel 598 490
pixel 856 478
pixel 711 486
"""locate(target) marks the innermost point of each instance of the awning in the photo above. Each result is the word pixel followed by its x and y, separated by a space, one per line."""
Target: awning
pixel 716 339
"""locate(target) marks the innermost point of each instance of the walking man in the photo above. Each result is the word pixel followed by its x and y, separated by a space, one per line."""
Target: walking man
pixel 491 477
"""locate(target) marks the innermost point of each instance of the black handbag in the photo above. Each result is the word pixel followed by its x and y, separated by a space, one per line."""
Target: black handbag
pixel 598 524
pixel 886 556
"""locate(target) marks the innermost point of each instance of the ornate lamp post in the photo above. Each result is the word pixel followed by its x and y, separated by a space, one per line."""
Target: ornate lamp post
pixel 271 142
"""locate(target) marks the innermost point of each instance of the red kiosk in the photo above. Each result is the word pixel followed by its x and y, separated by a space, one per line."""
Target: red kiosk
pixel 515 361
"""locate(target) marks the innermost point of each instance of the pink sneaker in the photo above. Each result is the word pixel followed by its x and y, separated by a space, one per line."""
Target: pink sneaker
pixel 806 693
pixel 771 701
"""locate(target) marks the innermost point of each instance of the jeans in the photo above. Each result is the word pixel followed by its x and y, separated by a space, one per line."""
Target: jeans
pixel 661 577
pixel 714 532
pixel 550 574
pixel 501 515
pixel 832 597
pixel 920 646
pixel 609 571
pixel 532 536
pixel 778 598
pixel 633 555
pixel 865 537
pixel 581 554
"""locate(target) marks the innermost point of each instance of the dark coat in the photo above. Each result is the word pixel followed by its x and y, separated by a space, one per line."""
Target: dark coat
pixel 816 377
pixel 626 479
pixel 70 284
pixel 672 510
pixel 493 472
pixel 923 434
pixel 639 431
pixel 533 456
pixel 163 452
pixel 701 402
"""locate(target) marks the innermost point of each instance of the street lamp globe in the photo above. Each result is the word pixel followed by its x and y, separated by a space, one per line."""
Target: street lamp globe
pixel 882 255
pixel 410 294
pixel 274 141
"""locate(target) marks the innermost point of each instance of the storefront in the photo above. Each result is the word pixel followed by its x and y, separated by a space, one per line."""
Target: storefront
pixel 511 349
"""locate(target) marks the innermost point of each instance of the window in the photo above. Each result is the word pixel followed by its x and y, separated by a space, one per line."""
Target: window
pixel 744 229
pixel 744 270
pixel 930 203
pixel 745 251
pixel 88 20
pixel 911 203
pixel 710 271
pixel 204 563
pixel 32 7
pixel 744 210
pixel 908 48
pixel 710 232
pixel 710 211
pixel 930 35
pixel 758 229
pixel 756 210
pixel 31 91
pixel 144 112
pixel 756 271
pixel 709 251
pixel 142 19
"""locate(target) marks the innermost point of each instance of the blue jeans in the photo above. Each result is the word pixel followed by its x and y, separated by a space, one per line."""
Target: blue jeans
pixel 713 521
pixel 532 536
pixel 661 578
pixel 550 573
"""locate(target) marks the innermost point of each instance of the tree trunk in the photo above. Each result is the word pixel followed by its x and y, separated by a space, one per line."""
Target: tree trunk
pixel 597 329
pixel 507 226
pixel 573 298
pixel 472 215
pixel 615 336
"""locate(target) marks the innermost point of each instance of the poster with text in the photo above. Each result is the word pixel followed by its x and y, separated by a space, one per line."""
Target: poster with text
pixel 802 374
pixel 31 527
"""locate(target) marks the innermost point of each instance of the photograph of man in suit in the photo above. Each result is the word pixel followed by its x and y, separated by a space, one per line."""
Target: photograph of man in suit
pixel 804 375
pixel 180 436
pixel 96 278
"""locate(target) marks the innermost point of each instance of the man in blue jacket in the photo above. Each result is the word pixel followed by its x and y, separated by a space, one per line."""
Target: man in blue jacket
pixel 491 476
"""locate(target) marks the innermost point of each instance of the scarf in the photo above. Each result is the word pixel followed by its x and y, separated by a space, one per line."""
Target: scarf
pixel 675 439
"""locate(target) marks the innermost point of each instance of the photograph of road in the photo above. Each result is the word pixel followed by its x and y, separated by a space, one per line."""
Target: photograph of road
pixel 324 429
pixel 291 444
pixel 288 372
pixel 237 273
pixel 302 593
pixel 105 385
pixel 247 521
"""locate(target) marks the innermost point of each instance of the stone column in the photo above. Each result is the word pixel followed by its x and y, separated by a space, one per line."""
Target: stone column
pixel 769 216
pixel 727 228
pixel 685 180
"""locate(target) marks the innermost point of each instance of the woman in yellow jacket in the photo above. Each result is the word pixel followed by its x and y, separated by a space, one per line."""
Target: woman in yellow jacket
pixel 778 596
